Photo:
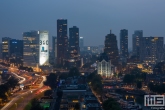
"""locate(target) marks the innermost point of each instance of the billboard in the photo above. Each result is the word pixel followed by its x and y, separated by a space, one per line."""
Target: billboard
pixel 43 48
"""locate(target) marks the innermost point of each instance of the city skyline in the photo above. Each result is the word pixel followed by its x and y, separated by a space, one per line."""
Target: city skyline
pixel 92 22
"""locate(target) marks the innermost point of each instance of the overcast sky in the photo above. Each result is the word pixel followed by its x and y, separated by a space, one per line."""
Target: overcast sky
pixel 93 17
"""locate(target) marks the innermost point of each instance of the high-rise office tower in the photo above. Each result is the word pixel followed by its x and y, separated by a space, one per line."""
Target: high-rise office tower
pixel 74 49
pixel 81 43
pixel 62 41
pixel 124 43
pixel 136 42
pixel 54 47
pixel 152 50
pixel 36 49
pixel 31 49
pixel 5 47
pixel 111 48
pixel 16 47
pixel 43 48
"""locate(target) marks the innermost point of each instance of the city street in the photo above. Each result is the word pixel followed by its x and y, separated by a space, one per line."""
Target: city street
pixel 27 79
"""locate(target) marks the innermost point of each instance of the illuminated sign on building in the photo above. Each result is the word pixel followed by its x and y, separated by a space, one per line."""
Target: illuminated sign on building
pixel 43 48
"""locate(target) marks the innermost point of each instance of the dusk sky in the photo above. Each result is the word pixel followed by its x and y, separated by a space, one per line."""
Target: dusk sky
pixel 94 18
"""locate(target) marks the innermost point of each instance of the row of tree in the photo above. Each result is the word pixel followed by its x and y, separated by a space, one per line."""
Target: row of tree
pixel 96 82
pixel 5 89
pixel 158 88
pixel 111 104
pixel 135 77
pixel 51 79
pixel 72 72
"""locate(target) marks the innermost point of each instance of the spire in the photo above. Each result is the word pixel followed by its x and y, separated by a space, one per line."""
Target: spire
pixel 110 31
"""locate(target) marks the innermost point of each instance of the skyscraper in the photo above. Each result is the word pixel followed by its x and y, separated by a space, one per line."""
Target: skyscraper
pixel 136 41
pixel 74 49
pixel 31 49
pixel 111 48
pixel 5 47
pixel 152 50
pixel 54 47
pixel 16 47
pixel 62 41
pixel 124 43
pixel 43 48
pixel 81 43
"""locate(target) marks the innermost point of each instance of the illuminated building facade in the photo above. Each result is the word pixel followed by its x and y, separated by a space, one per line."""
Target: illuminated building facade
pixel 104 66
pixel 152 50
pixel 30 49
pixel 74 49
pixel 5 47
pixel 111 48
pixel 43 48
pixel 62 41
pixel 136 42
pixel 124 43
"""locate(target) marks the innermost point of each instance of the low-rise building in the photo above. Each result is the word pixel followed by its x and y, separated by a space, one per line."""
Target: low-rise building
pixel 76 93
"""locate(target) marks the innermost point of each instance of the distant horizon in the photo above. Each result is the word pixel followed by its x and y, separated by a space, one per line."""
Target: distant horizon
pixel 94 23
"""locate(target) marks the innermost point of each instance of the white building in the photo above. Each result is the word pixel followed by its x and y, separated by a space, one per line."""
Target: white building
pixel 104 66
pixel 43 48
pixel 36 49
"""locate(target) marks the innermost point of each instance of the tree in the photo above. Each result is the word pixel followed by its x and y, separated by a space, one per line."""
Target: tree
pixel 35 105
pixel 48 93
pixel 151 86
pixel 96 82
pixel 74 72
pixel 159 68
pixel 128 78
pixel 59 93
pixel 91 76
pixel 3 90
pixel 77 106
pixel 143 76
pixel 12 82
pixel 111 104
pixel 97 87
pixel 139 84
pixel 120 75
pixel 51 80
pixel 158 88
pixel 115 75
pixel 63 76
